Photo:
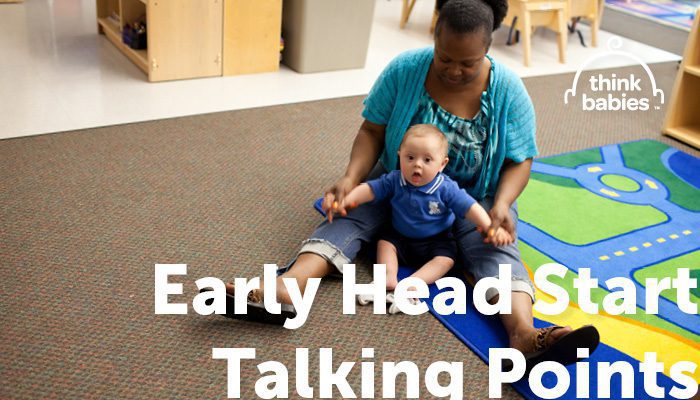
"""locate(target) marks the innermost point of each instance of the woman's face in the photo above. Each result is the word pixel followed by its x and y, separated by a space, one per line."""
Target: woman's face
pixel 459 57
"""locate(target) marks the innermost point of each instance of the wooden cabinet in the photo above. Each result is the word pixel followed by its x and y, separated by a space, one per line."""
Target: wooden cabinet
pixel 184 36
pixel 252 32
pixel 197 38
pixel 683 115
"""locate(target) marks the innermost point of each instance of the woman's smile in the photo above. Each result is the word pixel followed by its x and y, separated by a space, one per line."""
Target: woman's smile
pixel 452 80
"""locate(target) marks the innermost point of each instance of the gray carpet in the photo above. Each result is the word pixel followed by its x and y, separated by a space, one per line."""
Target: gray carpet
pixel 86 214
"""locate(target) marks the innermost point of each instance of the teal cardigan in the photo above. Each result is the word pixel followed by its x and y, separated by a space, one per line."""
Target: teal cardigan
pixel 393 101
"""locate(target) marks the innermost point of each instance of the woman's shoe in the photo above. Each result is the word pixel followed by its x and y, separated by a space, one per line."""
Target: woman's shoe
pixel 564 350
pixel 255 310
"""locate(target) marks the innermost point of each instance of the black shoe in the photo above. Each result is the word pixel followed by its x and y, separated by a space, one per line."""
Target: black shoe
pixel 564 351
pixel 255 310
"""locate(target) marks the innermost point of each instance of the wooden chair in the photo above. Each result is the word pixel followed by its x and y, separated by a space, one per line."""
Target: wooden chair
pixel 406 14
pixel 526 15
pixel 591 10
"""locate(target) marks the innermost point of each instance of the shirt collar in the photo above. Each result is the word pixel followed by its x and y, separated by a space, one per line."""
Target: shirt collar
pixel 430 187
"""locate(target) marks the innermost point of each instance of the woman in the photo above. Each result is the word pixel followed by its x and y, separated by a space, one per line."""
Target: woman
pixel 489 121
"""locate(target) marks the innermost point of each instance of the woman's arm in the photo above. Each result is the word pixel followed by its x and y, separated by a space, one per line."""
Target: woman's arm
pixel 514 178
pixel 368 144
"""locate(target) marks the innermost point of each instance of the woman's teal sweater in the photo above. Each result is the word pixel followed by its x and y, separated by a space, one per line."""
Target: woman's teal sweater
pixel 393 101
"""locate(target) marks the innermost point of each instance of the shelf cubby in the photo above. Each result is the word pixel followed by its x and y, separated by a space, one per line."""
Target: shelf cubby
pixel 197 38
pixel 184 36
pixel 683 115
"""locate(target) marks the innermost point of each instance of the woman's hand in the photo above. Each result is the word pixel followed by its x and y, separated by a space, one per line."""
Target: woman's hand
pixel 501 238
pixel 514 178
pixel 333 199
pixel 500 218
pixel 366 148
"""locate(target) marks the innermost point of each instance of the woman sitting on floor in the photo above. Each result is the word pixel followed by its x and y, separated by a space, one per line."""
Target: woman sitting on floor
pixel 488 118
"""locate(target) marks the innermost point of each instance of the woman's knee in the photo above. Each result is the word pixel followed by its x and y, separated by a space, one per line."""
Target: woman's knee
pixel 317 249
pixel 525 289
pixel 347 233
pixel 309 265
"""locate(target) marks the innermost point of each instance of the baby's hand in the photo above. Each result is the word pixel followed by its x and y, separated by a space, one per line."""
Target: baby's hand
pixel 501 237
pixel 350 206
pixel 340 208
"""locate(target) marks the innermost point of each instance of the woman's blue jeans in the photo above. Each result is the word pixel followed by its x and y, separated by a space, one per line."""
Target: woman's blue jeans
pixel 340 241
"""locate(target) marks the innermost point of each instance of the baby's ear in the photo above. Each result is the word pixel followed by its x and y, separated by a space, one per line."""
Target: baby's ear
pixel 444 163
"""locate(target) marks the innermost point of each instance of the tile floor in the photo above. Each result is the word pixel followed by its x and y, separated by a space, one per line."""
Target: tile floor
pixel 57 74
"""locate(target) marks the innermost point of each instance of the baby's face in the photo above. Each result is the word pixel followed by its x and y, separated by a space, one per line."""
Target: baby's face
pixel 421 159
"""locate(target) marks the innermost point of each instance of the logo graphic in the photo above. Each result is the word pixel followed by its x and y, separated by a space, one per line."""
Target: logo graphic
pixel 616 89
pixel 434 208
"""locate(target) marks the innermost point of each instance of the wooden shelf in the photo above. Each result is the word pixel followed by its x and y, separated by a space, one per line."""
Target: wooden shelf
pixel 252 32
pixel 108 24
pixel 113 33
pixel 139 57
pixel 683 116
pixel 692 69
pixel 196 38
pixel 687 134
pixel 184 36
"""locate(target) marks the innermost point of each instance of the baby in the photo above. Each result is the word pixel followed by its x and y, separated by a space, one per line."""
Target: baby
pixel 424 203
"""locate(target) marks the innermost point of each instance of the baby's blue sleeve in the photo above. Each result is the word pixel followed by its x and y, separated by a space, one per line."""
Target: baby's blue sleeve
pixel 383 186
pixel 457 199
pixel 520 124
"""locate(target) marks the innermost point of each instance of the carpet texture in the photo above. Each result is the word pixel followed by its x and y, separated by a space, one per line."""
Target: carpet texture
pixel 86 214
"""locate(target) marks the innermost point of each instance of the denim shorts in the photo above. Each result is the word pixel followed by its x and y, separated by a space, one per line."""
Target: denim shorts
pixel 340 241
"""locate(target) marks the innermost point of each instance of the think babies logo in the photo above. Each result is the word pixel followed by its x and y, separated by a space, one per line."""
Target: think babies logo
pixel 610 92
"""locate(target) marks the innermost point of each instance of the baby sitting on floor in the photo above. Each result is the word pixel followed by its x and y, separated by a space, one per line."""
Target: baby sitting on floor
pixel 424 202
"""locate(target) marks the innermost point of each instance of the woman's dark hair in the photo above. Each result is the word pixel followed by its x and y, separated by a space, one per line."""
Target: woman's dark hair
pixel 467 16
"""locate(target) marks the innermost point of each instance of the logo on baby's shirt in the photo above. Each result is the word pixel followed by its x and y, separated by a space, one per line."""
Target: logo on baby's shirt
pixel 434 208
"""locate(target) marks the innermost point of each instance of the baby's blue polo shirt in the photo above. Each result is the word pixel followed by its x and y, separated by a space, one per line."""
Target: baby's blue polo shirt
pixel 421 211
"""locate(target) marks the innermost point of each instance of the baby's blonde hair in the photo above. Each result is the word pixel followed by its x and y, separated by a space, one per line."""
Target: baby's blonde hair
pixel 426 130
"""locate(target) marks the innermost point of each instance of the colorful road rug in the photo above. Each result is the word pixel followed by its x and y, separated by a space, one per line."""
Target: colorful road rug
pixel 630 210
pixel 676 13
